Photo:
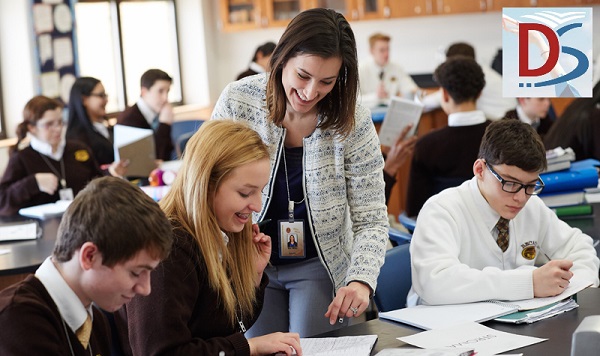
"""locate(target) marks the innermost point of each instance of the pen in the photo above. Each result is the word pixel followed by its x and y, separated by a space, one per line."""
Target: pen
pixel 542 251
pixel 263 223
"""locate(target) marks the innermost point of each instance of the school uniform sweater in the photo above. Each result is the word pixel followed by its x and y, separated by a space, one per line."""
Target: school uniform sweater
pixel 542 128
pixel 32 324
pixel 441 159
pixel 455 257
pixel 19 188
pixel 343 184
pixel 183 314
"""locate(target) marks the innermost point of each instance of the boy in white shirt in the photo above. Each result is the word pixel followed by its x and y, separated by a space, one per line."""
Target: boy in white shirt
pixel 460 254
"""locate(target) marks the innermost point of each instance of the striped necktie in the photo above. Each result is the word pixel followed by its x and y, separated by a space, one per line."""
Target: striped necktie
pixel 502 226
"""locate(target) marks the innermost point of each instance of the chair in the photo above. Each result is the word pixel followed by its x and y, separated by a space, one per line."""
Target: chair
pixel 398 237
pixel 394 280
pixel 408 222
pixel 181 131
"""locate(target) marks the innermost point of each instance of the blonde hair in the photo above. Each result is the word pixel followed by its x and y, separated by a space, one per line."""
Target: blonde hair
pixel 378 37
pixel 211 154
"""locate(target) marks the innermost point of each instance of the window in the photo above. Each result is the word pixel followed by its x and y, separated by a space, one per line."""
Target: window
pixel 118 40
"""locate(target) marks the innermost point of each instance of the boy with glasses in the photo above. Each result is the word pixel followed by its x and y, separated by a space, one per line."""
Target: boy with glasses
pixel 483 239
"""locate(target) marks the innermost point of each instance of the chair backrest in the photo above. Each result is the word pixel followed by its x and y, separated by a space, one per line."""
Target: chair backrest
pixel 181 142
pixel 394 280
pixel 398 237
pixel 408 222
pixel 179 128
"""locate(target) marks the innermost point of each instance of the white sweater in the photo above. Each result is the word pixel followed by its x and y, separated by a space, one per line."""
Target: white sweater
pixel 455 258
pixel 343 184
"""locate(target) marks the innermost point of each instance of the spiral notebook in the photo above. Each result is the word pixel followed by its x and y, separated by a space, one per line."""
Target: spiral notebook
pixel 431 317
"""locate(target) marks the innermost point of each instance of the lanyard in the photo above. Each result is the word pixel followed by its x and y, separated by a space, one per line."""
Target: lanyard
pixel 63 181
pixel 287 185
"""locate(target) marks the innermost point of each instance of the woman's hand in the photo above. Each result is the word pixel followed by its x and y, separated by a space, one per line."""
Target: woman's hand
pixel 350 301
pixel 263 250
pixel 47 182
pixel 286 343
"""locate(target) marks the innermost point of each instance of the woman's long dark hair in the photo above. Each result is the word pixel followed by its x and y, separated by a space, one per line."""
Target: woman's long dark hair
pixel 79 123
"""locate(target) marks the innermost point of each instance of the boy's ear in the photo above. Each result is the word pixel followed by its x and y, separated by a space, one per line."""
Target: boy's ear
pixel 143 91
pixel 88 255
pixel 478 168
pixel 445 95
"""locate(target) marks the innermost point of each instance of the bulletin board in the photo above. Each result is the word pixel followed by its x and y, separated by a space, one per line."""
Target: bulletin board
pixel 53 29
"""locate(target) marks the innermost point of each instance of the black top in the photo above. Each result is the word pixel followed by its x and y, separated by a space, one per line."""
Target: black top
pixel 278 208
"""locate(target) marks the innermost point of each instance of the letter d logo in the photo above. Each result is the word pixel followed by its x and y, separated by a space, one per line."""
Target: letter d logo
pixel 524 70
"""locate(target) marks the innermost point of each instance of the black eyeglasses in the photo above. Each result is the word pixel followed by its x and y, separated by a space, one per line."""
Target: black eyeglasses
pixel 100 95
pixel 514 187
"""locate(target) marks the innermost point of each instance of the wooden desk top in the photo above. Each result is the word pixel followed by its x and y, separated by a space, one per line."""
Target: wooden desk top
pixel 558 330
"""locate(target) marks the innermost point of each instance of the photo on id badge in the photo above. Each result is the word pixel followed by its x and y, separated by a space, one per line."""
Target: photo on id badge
pixel 291 239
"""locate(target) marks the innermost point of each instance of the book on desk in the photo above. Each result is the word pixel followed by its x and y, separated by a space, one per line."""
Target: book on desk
pixel 429 317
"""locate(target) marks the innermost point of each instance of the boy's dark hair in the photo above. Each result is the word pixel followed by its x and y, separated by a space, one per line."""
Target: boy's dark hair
pixel 151 76
pixel 265 49
pixel 462 78
pixel 513 143
pixel 116 216
pixel 460 49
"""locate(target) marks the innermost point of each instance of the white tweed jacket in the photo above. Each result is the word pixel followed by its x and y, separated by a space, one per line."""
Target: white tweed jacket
pixel 343 184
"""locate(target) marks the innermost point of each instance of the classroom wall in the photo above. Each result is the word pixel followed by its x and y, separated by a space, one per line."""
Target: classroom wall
pixel 210 58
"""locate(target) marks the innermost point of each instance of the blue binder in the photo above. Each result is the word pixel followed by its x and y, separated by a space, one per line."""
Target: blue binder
pixel 582 174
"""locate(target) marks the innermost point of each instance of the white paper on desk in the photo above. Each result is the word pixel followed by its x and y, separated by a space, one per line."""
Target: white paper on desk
pixel 26 230
pixel 400 113
pixel 46 210
pixel 485 341
pixel 338 346
pixel 575 285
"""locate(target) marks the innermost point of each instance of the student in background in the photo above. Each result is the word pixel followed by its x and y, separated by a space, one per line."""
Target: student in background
pixel 260 61
pixel 395 157
pixel 444 158
pixel 483 239
pixel 211 287
pixel 101 256
pixel 578 127
pixel 87 113
pixel 326 171
pixel 49 168
pixel 153 111
pixel 381 79
pixel 491 100
pixel 533 111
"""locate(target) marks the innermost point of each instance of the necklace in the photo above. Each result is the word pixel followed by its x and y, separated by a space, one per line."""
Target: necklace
pixel 63 181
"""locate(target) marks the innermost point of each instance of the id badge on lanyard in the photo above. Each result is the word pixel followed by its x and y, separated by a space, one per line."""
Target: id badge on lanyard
pixel 291 236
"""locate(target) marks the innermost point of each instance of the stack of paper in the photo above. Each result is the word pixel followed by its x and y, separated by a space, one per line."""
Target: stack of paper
pixel 46 210
pixel 425 352
pixel 338 346
pixel 559 159
pixel 531 316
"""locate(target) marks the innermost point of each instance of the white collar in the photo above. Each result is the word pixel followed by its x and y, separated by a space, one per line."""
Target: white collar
pixel 101 129
pixel 523 116
pixel 146 111
pixel 466 118
pixel 69 305
pixel 256 67
pixel 45 148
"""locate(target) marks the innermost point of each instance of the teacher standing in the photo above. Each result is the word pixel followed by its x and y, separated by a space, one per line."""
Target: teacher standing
pixel 326 183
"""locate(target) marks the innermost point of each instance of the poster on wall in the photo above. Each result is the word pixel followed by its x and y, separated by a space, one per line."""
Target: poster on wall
pixel 52 22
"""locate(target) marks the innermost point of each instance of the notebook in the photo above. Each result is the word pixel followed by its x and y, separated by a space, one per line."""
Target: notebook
pixel 46 210
pixel 430 317
pixel 400 113
pixel 137 146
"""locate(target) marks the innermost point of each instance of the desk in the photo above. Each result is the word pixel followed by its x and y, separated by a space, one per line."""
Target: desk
pixel 26 256
pixel 558 329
